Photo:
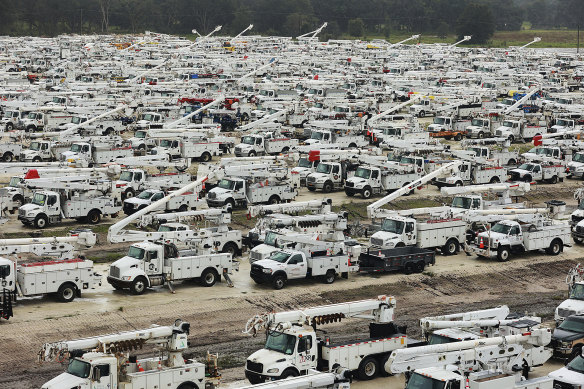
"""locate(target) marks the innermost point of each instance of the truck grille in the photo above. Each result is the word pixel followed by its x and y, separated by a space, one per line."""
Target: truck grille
pixel 566 312
pixel 498 133
pixel 212 195
pixel 21 212
pixel 256 270
pixel 376 242
pixel 310 179
pixel 255 256
pixel 563 385
pixel 349 184
pixel 255 367
pixel 114 272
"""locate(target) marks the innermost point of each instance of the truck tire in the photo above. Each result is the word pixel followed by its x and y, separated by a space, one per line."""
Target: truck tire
pixel 274 200
pixel 37 159
pixel 279 281
pixel 368 369
pixel 129 193
pixel 329 277
pixel 576 351
pixel 67 292
pixel 183 208
pixel 31 128
pixel 511 138
pixel 458 137
pixel 187 385
pixel 527 178
pixel 422 114
pixel 349 193
pixel 512 162
pixel 419 266
pixel 382 361
pixel 503 254
pixel 366 192
pixel 252 154
pixel 41 221
pixel 578 240
pixel 209 277
pixel 495 180
pixel 230 248
pixel 139 285
pixel 289 373
pixel 8 157
pixel 94 216
pixel 327 187
pixel 554 180
pixel 285 149
pixel 311 188
pixel 109 131
pixel 353 145
pixel 409 268
pixel 9 127
pixel 555 248
pixel 458 184
pixel 451 247
pixel 205 157
pixel 18 200
pixel 481 135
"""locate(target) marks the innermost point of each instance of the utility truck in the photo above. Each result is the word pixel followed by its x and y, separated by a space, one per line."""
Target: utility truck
pixel 474 174
pixel 447 127
pixel 64 278
pixel 184 202
pixel 150 264
pixel 328 137
pixel 540 172
pixel 483 127
pixel 574 305
pixel 520 130
pixel 51 207
pixel 84 154
pixel 330 176
pixel 41 120
pixel 293 348
pixel 378 179
pixel 508 237
pixel 44 151
pixel 106 361
pixel 270 143
pixel 193 149
pixel 134 181
pixel 10 151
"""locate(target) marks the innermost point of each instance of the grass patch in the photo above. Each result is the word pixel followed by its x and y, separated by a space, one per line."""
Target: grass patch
pixel 229 361
pixel 107 257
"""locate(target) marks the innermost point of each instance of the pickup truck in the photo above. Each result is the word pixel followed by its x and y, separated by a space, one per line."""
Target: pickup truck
pixel 182 203
pixel 133 181
pixel 530 172
pixel 509 236
pixel 285 265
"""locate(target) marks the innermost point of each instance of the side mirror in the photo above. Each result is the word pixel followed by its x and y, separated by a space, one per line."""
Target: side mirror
pixel 4 271
pixel 96 373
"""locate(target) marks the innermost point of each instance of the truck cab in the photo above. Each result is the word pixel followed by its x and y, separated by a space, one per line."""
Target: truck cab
pixel 576 166
pixel 10 119
pixel 563 125
pixel 144 199
pixel 527 172
pixel 229 191
pixel 44 209
pixel 79 151
pixel 479 128
pixel 510 129
pixel 92 370
pixel 75 120
pixel 570 376
pixel 250 146
pixel 440 123
pixel 149 120
pixel 573 305
pixel 421 108
pixel 305 167
pixel 329 176
pixel 568 338
pixel 33 121
pixel 319 137
pixel 38 151
pixel 540 153
pixel 396 231
pixel 169 146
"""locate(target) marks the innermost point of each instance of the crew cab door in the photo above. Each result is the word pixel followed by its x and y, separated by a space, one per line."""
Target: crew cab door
pixel 152 262
pixel 306 353
pixel 410 235
pixel 375 178
pixel 515 236
pixel 537 172
pixel 53 205
pixel 296 267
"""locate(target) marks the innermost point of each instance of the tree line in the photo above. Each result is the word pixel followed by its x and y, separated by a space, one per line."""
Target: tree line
pixel 346 18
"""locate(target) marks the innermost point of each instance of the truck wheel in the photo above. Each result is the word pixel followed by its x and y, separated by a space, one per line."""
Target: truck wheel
pixel 554 180
pixel 349 193
pixel 311 188
pixel 289 373
pixel 109 131
pixel 458 184
pixel 31 128
pixel 285 149
pixel 353 145
pixel 206 157
pixel 66 293
pixel 18 201
pixel 138 286
pixel 327 187
pixel 555 247
pixel 422 114
pixel 129 193
pixel 503 254
pixel 209 277
pixel 9 127
pixel 366 193
pixel 368 369
pixel 419 267
pixel 578 240
pixel 252 154
pixel 527 178
pixel 481 135
pixel 41 221
pixel 511 138
pixel 37 159
pixel 512 162
pixel 329 277
pixel 409 268
pixel 279 282
pixel 274 200
pixel 451 247
pixel 495 180
pixel 183 208
pixel 576 351
pixel 230 248
pixel 458 137
pixel 94 217
pixel 187 385
pixel 8 157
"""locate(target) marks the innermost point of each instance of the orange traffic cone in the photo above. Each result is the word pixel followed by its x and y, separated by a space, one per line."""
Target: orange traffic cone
pixel 140 368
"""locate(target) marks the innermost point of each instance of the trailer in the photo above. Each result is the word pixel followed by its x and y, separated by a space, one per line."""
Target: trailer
pixel 408 259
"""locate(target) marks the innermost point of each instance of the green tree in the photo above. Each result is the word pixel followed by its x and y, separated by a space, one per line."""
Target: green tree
pixel 356 27
pixel 476 20
pixel 442 30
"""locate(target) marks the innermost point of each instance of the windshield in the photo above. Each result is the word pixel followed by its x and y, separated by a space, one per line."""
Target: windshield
pixel 147 116
pixel 136 252
pixel 395 226
pixel 126 176
pixel 508 102
pixel 31 115
pixel 76 148
pixel 324 168
pixel 8 114
pixel 475 150
pixel 579 157
pixel 164 228
pixel 248 140
pixel 35 146
pixel 304 162
pixel 439 339
pixel 39 199
pixel 165 143
pixel 226 184
pixel 501 228
pixel 279 256
pixel 392 131
pixel 270 238
pixel 76 120
pixel 573 325
pixel 477 122
pixel 316 135
pixel 562 122
pixel 280 342
pixel 439 120
pixel 79 368
pixel 407 161
pixel 418 381
pixel 15 181
pixel 461 202
pixel 140 134
pixel 577 364
pixel 145 195
pixel 577 292
pixel 527 166
pixel 507 124
pixel 362 173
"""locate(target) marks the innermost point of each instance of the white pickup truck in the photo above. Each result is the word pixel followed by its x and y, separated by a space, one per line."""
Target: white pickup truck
pixel 151 264
pixel 235 191
pixel 530 172
pixel 509 236
pixel 327 137
pixel 182 203
pixel 84 154
pixel 268 144
pixel 284 265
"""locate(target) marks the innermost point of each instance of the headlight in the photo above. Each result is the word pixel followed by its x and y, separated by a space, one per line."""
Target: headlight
pixel 274 370
pixel 267 271
pixel 126 278
pixel 390 244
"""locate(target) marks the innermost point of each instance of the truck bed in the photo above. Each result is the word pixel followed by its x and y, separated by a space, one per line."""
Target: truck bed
pixel 394 259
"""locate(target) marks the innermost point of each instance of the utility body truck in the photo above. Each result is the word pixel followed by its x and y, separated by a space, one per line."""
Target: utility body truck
pixel 519 130
pixel 574 305
pixel 292 347
pixel 540 172
pixel 269 143
pixel 105 361
pixel 84 154
pixel 133 181
pixel 184 202
pixel 329 137
pixel 483 127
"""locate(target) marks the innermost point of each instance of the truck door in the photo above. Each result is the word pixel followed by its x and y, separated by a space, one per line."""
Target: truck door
pixel 537 173
pixel 7 278
pixel 44 152
pixel 336 171
pixel 152 262
pixel 101 377
pixel 296 267
pixel 410 234
pixel 259 144
pixel 515 236
pixel 53 205
pixel 375 179
pixel 239 192
pixel 305 356
pixel 326 137
pixel 85 150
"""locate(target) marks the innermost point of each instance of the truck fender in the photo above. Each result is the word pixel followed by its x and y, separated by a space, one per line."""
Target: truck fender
pixel 188 385
pixel 280 273
pixel 135 273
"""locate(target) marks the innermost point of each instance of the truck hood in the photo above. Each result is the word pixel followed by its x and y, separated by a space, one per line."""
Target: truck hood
pixel 29 207
pixel 572 305
pixel 389 238
pixel 270 359
pixel 264 251
pixel 65 380
pixel 521 172
pixel 357 181
pixel 436 127
pixel 136 200
pixel 220 193
pixel 125 263
pixel 303 171
pixel 319 176
pixel 27 152
pixel 311 141
pixel 269 264
pixel 567 376
pixel 503 128
pixel 575 165
pixel 70 154
pixel 563 335
pixel 243 146
pixel 474 128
